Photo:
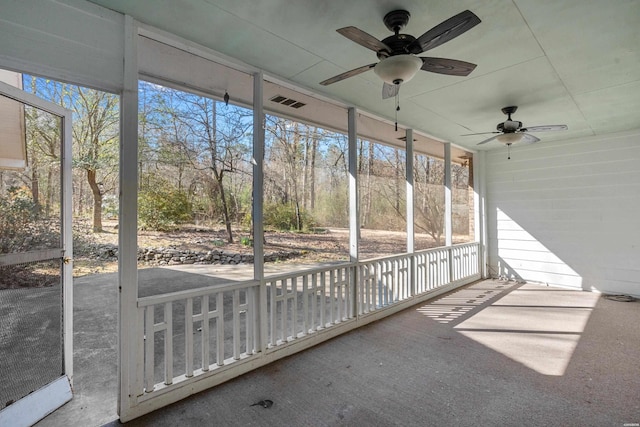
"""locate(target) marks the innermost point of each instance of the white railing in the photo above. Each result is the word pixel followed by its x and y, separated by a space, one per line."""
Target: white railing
pixel 464 261
pixel 382 282
pixel 190 335
pixel 195 332
pixel 302 303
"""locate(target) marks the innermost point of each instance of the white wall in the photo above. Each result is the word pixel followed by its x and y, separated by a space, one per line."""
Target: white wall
pixel 567 213
pixel 74 41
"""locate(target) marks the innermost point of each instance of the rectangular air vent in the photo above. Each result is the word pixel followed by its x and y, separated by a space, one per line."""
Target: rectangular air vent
pixel 279 99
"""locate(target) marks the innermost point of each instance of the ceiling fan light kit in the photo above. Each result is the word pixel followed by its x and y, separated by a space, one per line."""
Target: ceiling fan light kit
pixel 509 138
pixel 398 69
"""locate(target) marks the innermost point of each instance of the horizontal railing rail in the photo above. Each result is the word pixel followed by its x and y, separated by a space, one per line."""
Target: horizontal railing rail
pixel 188 335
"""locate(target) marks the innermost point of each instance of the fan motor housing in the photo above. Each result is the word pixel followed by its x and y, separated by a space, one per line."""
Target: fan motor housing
pixel 398 44
pixel 511 126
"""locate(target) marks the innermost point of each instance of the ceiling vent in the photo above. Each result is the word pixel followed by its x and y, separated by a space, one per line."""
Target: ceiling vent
pixel 279 99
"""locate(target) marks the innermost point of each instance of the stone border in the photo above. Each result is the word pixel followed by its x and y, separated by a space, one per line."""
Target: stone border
pixel 174 256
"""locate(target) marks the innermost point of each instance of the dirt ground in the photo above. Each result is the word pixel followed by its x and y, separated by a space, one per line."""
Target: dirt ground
pixel 330 244
pixel 323 245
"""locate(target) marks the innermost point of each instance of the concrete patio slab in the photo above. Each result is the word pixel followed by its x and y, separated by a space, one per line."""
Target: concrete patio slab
pixel 408 369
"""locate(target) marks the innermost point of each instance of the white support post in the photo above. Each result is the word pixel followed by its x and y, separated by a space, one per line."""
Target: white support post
pixel 447 194
pixel 410 210
pixel 127 228
pixel 67 244
pixel 448 206
pixel 258 200
pixel 354 217
pixel 480 206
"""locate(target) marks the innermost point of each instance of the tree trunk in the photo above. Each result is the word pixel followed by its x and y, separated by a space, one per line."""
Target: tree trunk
pixel 312 184
pixel 35 189
pixel 368 203
pixel 397 180
pixel 225 208
pixel 305 172
pixel 97 200
pixel 49 195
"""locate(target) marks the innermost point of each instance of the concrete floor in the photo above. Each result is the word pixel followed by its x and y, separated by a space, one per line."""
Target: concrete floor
pixel 491 353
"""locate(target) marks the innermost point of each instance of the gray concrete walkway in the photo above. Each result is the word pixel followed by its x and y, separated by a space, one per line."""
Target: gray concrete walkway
pixel 489 354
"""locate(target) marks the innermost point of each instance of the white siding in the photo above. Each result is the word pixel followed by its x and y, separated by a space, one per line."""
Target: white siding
pixel 71 40
pixel 567 213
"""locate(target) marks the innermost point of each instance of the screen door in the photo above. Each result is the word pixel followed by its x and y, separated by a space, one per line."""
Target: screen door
pixel 35 257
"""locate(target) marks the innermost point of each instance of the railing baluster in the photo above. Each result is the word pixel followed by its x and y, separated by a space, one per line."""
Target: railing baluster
pixel 273 315
pixel 248 318
pixel 332 296
pixel 140 349
pixel 168 343
pixel 149 327
pixel 285 310
pixel 339 288
pixel 294 308
pixel 323 285
pixel 188 337
pixel 236 324
pixel 305 304
pixel 314 301
pixel 204 327
pixel 219 316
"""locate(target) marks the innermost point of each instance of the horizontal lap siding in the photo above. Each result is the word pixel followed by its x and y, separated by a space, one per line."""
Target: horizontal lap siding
pixel 70 41
pixel 567 213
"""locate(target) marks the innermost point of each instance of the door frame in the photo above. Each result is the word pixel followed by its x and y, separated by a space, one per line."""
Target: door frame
pixel 35 406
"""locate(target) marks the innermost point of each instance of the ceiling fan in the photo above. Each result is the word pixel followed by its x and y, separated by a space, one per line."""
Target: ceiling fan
pixel 511 131
pixel 397 53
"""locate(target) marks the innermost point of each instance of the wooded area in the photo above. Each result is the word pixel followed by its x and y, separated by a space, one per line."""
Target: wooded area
pixel 195 167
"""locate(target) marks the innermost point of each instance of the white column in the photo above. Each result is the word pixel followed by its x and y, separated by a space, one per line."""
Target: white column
pixel 257 213
pixel 410 211
pixel 67 239
pixel 447 194
pixel 480 202
pixel 354 217
pixel 128 222
pixel 258 177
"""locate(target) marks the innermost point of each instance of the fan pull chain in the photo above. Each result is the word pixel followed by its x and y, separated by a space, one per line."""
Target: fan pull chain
pixel 397 107
pixel 508 151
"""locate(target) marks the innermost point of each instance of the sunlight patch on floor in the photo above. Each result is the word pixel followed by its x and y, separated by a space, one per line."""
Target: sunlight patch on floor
pixel 534 325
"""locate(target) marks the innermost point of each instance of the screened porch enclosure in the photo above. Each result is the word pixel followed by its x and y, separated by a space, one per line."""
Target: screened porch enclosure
pixel 183 341
pixel 560 214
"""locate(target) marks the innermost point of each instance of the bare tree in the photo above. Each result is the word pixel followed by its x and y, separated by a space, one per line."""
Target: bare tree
pixel 95 132
pixel 212 137
pixel 95 137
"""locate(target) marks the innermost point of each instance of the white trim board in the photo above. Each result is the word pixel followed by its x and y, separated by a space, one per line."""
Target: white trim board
pixel 37 405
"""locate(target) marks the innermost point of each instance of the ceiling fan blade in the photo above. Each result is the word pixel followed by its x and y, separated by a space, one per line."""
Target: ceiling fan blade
pixel 445 31
pixel 545 128
pixel 347 74
pixel 450 67
pixel 364 39
pixel 480 133
pixel 389 90
pixel 528 139
pixel 488 140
